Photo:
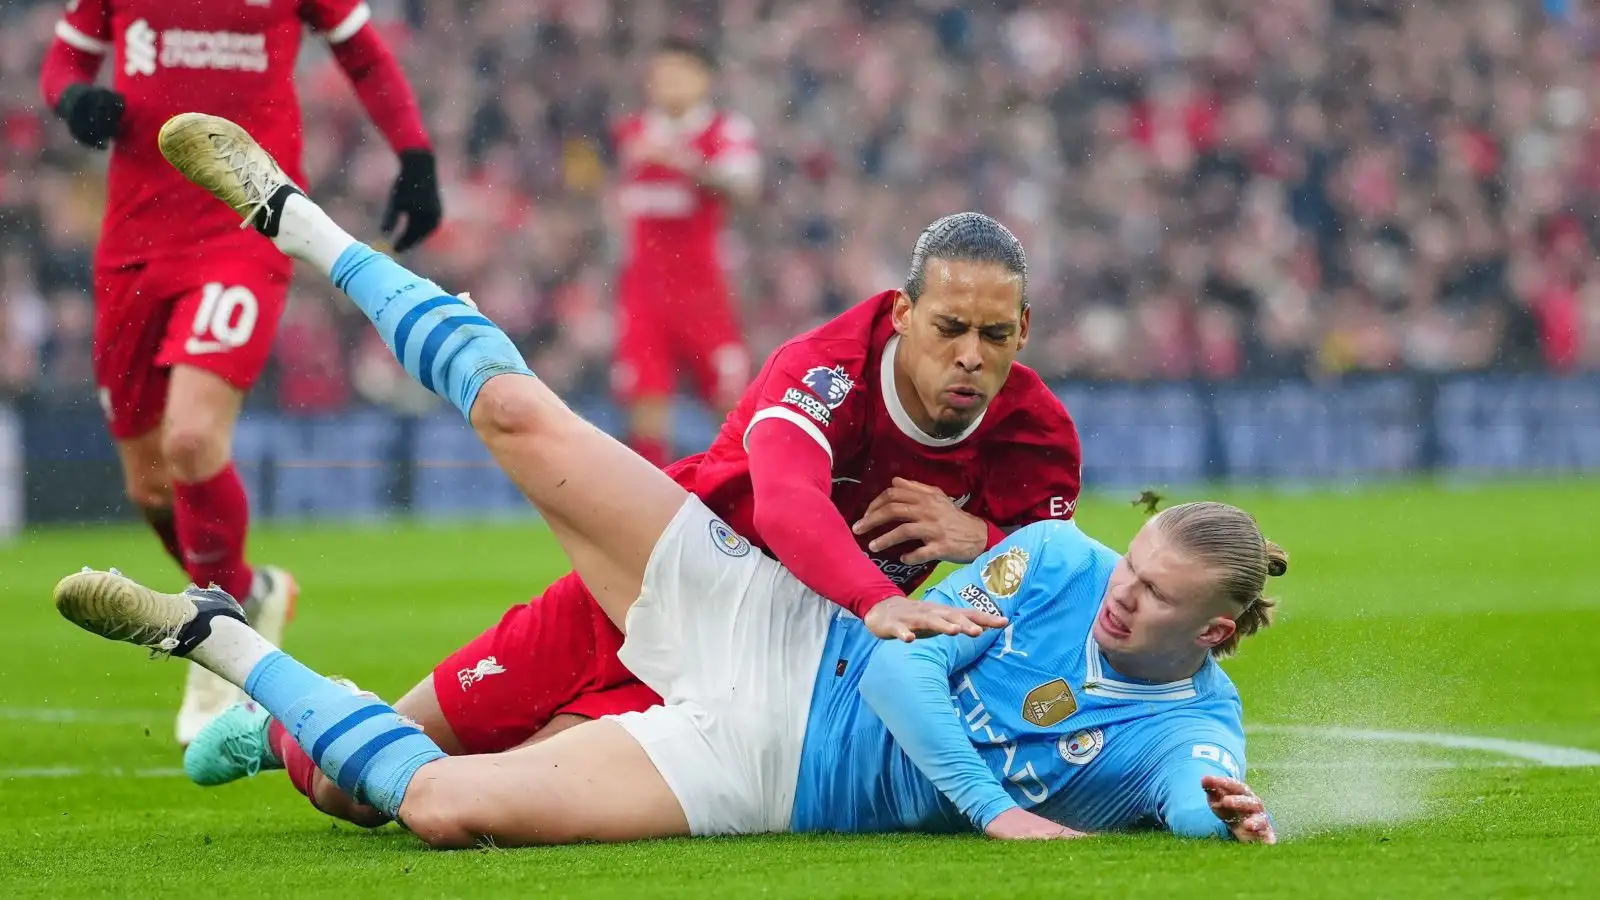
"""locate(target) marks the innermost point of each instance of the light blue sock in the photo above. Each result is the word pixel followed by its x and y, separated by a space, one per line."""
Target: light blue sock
pixel 359 742
pixel 441 341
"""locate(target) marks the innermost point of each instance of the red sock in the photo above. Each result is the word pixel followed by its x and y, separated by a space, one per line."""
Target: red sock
pixel 652 449
pixel 166 528
pixel 212 518
pixel 295 761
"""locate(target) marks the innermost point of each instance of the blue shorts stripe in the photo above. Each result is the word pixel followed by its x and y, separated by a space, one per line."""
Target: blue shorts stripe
pixel 342 727
pixel 436 338
pixel 402 331
pixel 350 773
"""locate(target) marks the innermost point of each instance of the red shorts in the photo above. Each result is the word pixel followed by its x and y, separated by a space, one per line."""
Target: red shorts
pixel 690 328
pixel 216 310
pixel 554 655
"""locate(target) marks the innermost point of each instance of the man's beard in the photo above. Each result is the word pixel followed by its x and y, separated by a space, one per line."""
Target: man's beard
pixel 945 429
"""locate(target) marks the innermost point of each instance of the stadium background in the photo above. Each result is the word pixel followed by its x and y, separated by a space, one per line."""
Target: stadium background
pixel 1302 241
pixel 1360 201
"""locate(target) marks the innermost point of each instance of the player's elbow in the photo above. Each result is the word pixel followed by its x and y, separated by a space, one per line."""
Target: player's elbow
pixel 773 520
pixel 885 671
pixel 1198 823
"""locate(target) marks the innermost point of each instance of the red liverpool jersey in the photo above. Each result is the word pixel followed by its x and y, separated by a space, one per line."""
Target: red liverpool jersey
pixel 233 58
pixel 1018 463
pixel 672 222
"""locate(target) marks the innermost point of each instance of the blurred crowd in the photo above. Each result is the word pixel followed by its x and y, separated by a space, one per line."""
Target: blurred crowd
pixel 1206 189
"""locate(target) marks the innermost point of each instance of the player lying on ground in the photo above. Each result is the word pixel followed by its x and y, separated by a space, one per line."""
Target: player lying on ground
pixel 780 714
pixel 905 416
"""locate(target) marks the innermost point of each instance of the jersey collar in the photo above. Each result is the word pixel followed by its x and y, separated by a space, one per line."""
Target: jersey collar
pixel 1095 682
pixel 691 123
pixel 897 410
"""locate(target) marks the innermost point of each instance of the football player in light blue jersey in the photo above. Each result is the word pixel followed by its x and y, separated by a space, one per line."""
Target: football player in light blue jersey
pixel 1060 687
pixel 1100 706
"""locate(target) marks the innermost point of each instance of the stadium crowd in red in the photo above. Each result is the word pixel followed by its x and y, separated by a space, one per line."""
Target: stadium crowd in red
pixel 1306 187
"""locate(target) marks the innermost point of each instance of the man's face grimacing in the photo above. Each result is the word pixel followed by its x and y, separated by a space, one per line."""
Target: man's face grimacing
pixel 958 341
pixel 1160 604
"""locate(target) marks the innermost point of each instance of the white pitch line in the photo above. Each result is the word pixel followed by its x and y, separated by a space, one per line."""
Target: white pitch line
pixel 1529 752
pixel 1543 754
pixel 80 772
pixel 1387 765
pixel 85 716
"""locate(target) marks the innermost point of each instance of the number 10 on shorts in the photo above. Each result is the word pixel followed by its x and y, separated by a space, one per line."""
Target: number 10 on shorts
pixel 225 320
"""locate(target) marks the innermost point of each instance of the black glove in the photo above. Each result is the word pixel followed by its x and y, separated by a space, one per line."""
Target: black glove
pixel 415 193
pixel 92 114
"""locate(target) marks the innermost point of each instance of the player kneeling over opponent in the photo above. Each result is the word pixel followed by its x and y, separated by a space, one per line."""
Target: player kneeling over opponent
pixel 1098 707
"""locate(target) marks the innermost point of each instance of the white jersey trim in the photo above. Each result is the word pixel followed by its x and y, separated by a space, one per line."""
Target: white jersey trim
pixel 352 23
pixel 743 165
pixel 897 410
pixel 1095 682
pixel 75 38
pixel 790 415
pixel 692 123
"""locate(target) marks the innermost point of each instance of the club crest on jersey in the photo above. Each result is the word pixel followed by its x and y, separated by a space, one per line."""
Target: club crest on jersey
pixel 1049 703
pixel 1002 575
pixel 975 597
pixel 832 385
pixel 483 669
pixel 728 540
pixel 1081 748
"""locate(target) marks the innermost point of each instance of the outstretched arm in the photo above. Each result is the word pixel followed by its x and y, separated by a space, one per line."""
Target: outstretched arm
pixel 1198 794
pixel 791 477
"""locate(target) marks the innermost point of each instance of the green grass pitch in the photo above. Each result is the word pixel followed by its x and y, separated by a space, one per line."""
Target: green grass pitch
pixel 1417 622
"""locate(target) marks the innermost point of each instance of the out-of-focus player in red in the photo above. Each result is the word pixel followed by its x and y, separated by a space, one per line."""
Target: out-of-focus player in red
pixel 682 163
pixel 900 434
pixel 186 302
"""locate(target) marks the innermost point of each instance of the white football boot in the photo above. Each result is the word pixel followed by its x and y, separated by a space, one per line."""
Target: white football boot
pixel 268 608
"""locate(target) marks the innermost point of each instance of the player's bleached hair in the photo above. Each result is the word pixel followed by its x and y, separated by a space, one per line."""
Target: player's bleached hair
pixel 1227 540
pixel 966 237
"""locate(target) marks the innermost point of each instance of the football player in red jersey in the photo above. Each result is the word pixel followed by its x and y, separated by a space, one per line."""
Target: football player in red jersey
pixel 682 163
pixel 897 435
pixel 187 303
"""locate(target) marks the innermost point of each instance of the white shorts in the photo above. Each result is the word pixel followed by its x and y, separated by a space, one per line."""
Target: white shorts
pixel 731 641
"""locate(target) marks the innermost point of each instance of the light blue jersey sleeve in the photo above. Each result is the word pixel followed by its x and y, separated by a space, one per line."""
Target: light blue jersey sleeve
pixel 908 685
pixel 1177 797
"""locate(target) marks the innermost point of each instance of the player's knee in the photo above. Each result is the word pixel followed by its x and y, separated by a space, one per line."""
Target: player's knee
pixel 436 817
pixel 512 406
pixel 149 490
pixel 194 449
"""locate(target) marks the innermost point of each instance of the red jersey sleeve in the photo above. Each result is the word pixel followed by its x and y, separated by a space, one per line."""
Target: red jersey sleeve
pixel 86 26
pixel 790 478
pixel 809 410
pixel 733 156
pixel 83 38
pixel 814 385
pixel 1036 469
pixel 373 71
pixel 336 20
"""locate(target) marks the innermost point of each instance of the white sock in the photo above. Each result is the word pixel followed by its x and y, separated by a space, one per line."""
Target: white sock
pixel 232 650
pixel 306 233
